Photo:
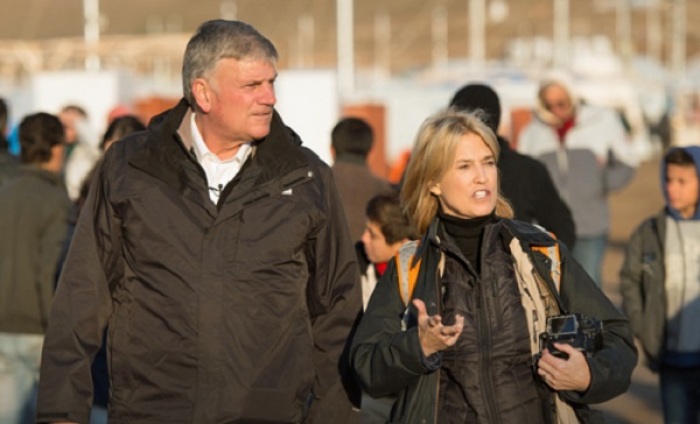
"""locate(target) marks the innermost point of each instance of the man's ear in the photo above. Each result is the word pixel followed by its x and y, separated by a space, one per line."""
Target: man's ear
pixel 201 91
pixel 435 189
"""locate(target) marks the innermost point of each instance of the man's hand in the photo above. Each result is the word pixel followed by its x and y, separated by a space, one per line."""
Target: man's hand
pixel 565 374
pixel 434 336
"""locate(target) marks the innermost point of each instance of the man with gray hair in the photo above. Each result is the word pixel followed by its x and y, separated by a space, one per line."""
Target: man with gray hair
pixel 214 248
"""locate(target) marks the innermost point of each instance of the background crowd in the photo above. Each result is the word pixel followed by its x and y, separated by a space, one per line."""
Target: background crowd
pixel 125 232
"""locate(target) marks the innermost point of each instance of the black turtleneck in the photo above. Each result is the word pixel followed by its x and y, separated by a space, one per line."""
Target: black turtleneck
pixel 467 234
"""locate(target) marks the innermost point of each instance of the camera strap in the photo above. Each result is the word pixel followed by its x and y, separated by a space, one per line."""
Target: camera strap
pixel 554 263
pixel 407 269
pixel 541 302
pixel 408 266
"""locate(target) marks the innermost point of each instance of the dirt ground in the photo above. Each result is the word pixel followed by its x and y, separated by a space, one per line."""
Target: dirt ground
pixel 629 207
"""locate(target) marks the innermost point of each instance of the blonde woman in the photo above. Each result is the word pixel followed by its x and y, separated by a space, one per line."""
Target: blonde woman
pixel 484 290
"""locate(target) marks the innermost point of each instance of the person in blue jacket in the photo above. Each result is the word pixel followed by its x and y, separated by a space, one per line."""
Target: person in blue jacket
pixel 660 284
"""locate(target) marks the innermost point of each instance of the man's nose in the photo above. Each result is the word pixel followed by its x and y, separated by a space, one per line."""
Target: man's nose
pixel 267 96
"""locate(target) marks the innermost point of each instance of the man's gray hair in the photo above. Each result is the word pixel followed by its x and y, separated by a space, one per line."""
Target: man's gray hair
pixel 219 39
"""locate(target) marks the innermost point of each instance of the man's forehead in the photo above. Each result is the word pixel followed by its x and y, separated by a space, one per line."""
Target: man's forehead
pixel 248 67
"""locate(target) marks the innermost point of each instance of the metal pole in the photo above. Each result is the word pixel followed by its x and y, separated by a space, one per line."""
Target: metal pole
pixel 382 44
pixel 654 34
pixel 561 33
pixel 440 34
pixel 228 9
pixel 624 29
pixel 346 59
pixel 305 41
pixel 678 41
pixel 477 34
pixel 91 33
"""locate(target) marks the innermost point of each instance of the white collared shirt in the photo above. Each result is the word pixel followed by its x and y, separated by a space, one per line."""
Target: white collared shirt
pixel 219 172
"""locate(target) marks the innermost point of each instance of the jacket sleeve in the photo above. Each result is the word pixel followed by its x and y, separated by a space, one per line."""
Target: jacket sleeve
pixel 551 211
pixel 53 234
pixel 611 367
pixel 526 140
pixel 631 280
pixel 621 160
pixel 617 173
pixel 334 299
pixel 386 359
pixel 79 314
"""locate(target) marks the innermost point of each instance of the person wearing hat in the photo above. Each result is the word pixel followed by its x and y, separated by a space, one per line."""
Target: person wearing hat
pixel 525 182
pixel 586 150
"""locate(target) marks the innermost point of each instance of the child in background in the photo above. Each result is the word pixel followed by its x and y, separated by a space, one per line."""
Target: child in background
pixel 386 230
pixel 660 284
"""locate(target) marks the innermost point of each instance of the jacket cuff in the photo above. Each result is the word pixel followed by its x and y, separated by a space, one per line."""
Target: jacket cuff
pixel 425 364
pixel 69 416
pixel 432 362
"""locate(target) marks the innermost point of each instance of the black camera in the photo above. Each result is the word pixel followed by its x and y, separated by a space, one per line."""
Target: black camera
pixel 582 332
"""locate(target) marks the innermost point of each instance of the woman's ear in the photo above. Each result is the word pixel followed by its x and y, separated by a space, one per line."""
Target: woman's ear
pixel 435 189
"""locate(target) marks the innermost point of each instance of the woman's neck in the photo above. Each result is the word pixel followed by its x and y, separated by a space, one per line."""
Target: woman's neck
pixel 467 233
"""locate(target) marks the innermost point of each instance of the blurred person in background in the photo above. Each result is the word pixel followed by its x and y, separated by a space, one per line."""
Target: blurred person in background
pixel 660 285
pixel 352 140
pixel 8 162
pixel 387 228
pixel 33 212
pixel 484 288
pixel 525 181
pixel 216 249
pixel 587 152
pixel 72 117
pixel 82 150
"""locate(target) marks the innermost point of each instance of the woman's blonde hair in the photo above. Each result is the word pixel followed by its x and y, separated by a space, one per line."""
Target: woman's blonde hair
pixel 433 155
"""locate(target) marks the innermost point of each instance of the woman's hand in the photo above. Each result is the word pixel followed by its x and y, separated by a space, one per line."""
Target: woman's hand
pixel 565 374
pixel 434 336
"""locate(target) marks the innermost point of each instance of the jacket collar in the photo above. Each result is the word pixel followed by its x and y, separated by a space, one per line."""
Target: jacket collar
pixel 49 176
pixel 351 158
pixel 166 155
pixel 528 235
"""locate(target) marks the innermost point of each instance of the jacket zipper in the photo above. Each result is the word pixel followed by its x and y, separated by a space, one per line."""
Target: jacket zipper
pixel 484 354
pixel 294 183
pixel 484 344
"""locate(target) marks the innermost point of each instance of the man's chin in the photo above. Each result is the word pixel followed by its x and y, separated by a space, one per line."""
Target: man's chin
pixel 261 133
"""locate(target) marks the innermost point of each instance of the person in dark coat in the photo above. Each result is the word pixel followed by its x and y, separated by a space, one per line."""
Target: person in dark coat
pixel 33 212
pixel 462 344
pixel 352 140
pixel 214 246
pixel 525 181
